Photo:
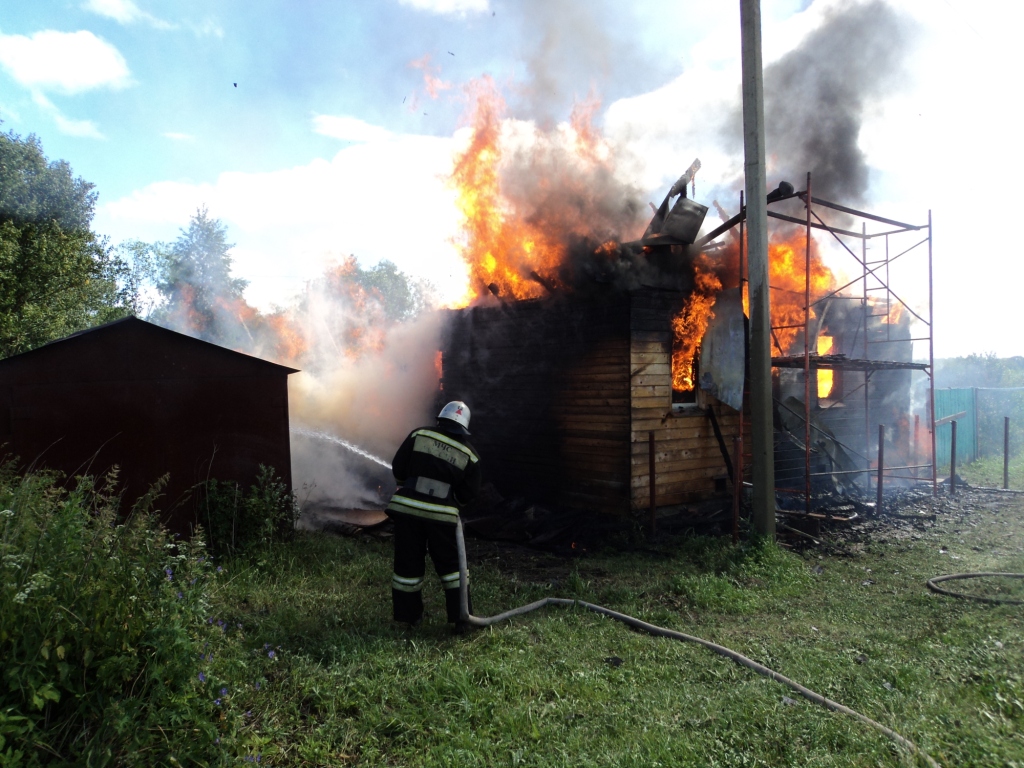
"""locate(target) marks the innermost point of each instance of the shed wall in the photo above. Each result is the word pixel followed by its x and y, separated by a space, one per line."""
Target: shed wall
pixel 151 403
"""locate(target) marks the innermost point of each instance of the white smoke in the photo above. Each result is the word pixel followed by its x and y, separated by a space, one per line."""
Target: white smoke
pixel 372 401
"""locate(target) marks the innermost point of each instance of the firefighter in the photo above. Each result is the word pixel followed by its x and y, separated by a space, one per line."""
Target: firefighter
pixel 438 472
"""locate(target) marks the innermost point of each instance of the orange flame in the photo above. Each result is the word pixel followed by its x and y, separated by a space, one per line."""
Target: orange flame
pixel 431 81
pixel 786 277
pixel 689 325
pixel 500 248
pixel 516 242
pixel 825 377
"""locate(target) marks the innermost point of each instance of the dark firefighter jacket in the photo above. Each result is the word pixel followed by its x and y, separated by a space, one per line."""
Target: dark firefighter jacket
pixel 438 473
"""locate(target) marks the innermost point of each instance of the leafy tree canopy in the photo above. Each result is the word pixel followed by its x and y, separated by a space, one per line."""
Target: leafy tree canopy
pixel 56 275
pixel 401 297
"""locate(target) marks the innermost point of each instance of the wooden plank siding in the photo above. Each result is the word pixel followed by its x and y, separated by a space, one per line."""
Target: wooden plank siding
pixel 688 458
pixel 564 392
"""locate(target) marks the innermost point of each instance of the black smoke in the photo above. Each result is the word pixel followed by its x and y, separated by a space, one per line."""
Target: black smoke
pixel 817 95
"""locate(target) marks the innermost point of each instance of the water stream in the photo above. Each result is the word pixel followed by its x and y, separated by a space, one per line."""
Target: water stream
pixel 317 434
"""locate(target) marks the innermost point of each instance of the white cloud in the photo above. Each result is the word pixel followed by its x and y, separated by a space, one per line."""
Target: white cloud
pixel 86 129
pixel 383 199
pixel 348 128
pixel 448 6
pixel 125 12
pixel 69 62
pixel 207 28
pixel 9 113
pixel 82 128
pixel 173 136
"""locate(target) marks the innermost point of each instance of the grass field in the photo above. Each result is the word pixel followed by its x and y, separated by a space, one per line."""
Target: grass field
pixel 568 688
pixel 988 472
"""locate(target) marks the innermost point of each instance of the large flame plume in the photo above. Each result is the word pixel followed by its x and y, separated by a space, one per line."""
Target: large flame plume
pixel 539 206
pixel 501 249
pixel 787 278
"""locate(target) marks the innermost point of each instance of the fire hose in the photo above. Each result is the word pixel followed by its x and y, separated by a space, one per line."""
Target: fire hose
pixel 816 698
pixel 933 586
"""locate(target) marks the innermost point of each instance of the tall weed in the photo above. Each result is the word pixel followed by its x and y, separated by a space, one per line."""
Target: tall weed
pixel 103 622
pixel 237 520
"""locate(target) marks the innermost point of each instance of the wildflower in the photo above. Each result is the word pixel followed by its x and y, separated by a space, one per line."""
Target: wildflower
pixel 202 678
pixel 180 595
pixel 265 646
pixel 257 686
pixel 270 654
pixel 219 569
pixel 193 580
pixel 223 691
pixel 216 702
pixel 248 713
pixel 170 573
pixel 210 620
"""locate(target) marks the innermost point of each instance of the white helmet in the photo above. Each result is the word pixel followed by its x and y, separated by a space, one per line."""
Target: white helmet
pixel 457 414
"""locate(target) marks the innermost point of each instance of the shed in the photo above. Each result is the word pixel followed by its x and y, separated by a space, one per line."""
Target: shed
pixel 151 401
pixel 566 390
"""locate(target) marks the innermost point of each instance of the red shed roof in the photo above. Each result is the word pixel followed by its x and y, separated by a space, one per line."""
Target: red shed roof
pixel 134 348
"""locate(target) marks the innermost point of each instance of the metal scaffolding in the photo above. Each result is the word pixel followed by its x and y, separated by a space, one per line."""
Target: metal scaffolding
pixel 878 299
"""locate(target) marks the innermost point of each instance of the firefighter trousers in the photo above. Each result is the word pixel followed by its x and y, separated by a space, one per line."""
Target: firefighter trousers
pixel 414 538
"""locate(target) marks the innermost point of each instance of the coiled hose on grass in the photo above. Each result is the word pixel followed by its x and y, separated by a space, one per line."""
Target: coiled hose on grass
pixel 933 586
pixel 739 658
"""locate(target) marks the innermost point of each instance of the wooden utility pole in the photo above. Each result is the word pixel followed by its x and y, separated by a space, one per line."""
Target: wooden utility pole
pixel 762 449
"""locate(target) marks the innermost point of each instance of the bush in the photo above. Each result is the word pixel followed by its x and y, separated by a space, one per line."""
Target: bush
pixel 103 624
pixel 237 521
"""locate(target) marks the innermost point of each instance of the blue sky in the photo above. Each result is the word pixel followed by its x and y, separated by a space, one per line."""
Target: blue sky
pixel 332 144
pixel 174 111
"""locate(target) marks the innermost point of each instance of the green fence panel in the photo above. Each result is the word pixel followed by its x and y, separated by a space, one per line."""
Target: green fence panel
pixel 949 402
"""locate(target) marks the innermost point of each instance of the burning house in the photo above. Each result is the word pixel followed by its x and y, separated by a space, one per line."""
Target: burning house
pixel 611 377
pixel 151 402
pixel 572 389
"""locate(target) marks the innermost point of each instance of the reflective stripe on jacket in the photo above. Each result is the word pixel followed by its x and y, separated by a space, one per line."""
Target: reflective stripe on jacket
pixel 438 472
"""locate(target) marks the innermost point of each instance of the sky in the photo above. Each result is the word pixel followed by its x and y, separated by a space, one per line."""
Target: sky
pixel 314 130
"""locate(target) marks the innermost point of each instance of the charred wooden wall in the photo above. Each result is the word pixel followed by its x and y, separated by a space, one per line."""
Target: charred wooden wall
pixel 688 457
pixel 548 385
pixel 564 392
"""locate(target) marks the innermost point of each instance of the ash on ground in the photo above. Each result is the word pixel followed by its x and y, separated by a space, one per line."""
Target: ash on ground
pixel 846 525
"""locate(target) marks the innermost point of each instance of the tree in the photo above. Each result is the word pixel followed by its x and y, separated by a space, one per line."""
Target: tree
pixel 194 278
pixel 401 296
pixel 135 262
pixel 56 275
